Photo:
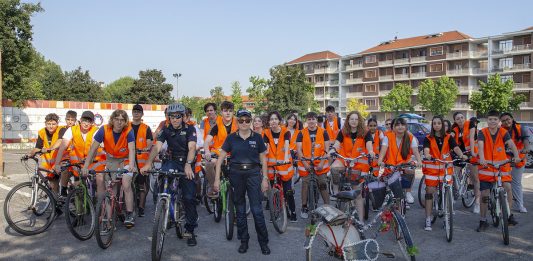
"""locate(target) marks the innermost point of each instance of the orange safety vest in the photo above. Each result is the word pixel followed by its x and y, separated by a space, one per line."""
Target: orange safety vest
pixel 66 153
pixel 494 152
pixel 351 149
pixel 48 159
pixel 519 144
pixel 219 139
pixel 208 127
pixel 292 145
pixel 394 155
pixel 466 139
pixel 319 151
pixel 276 152
pixel 79 149
pixel 375 148
pixel 332 132
pixel 117 150
pixel 141 143
pixel 433 170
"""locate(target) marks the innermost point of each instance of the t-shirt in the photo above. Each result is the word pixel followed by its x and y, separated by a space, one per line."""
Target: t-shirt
pixel 244 151
pixel 440 143
pixel 214 130
pixel 68 134
pixel 414 142
pixel 340 136
pixel 40 142
pixel 275 136
pixel 481 136
pixel 370 137
pixel 473 125
pixel 312 135
pixel 177 139
pixel 99 135
pixel 149 135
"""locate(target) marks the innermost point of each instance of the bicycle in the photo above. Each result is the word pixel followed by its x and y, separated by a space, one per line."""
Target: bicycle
pixel 443 203
pixel 223 204
pixel 169 204
pixel 276 200
pixel 313 192
pixel 34 201
pixel 79 205
pixel 110 207
pixel 396 173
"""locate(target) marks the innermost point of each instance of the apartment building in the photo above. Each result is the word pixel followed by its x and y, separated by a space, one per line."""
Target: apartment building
pixel 372 73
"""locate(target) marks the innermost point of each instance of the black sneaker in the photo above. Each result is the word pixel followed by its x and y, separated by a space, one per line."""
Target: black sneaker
pixel 243 247
pixel 292 218
pixel 512 221
pixel 267 207
pixel 129 222
pixel 483 225
pixel 191 241
pixel 265 250
pixel 141 212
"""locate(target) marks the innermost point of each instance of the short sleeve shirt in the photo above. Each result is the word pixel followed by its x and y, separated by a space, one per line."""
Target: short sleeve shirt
pixel 244 151
pixel 178 139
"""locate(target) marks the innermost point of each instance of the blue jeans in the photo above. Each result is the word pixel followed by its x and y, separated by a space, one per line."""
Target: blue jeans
pixel 188 195
pixel 242 182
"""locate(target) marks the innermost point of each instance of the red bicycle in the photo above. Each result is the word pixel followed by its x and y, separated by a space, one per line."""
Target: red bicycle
pixel 276 200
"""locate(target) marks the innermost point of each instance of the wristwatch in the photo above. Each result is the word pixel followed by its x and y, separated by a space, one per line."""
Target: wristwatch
pixel 189 162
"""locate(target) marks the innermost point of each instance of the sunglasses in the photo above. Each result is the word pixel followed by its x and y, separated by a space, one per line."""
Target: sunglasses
pixel 175 117
pixel 241 121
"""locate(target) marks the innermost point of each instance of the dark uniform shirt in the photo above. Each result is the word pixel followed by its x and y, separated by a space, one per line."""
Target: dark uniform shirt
pixel 244 151
pixel 178 139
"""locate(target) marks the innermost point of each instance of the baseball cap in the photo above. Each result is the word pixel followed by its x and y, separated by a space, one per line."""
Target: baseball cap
pixel 241 113
pixel 137 107
pixel 88 115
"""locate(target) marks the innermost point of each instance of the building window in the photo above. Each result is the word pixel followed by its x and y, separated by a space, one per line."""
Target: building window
pixel 370 74
pixel 370 88
pixel 527 59
pixel 435 67
pixel 506 63
pixel 370 102
pixel 506 45
pixel 505 78
pixel 434 51
pixel 422 52
pixel 370 59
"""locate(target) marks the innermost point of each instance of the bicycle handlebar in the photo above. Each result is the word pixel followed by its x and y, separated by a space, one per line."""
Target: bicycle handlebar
pixel 118 171
pixel 170 173
pixel 280 163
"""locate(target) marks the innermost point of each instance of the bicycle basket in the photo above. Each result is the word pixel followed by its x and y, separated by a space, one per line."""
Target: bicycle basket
pixel 330 215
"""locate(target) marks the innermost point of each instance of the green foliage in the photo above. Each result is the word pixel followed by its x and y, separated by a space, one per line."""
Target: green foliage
pixel 81 87
pixel 217 95
pixel 150 88
pixel 288 90
pixel 398 99
pixel 495 95
pixel 236 95
pixel 17 50
pixel 118 90
pixel 438 96
pixel 256 92
pixel 196 104
pixel 354 104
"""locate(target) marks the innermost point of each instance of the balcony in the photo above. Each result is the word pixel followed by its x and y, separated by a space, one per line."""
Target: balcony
pixel 479 70
pixel 401 61
pixel 386 77
pixel 480 53
pixel 513 68
pixel 332 95
pixel 461 106
pixel 327 83
pixel 523 86
pixel 319 96
pixel 459 55
pixel 354 95
pixel 401 76
pixel 418 59
pixel 354 80
pixel 458 72
pixel 523 48
pixel 418 75
pixel 372 108
pixel 463 88
pixel 385 63
pixel 526 105
pixel 326 70
pixel 354 66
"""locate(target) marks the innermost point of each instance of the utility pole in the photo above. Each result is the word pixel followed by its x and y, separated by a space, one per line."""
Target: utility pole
pixel 177 75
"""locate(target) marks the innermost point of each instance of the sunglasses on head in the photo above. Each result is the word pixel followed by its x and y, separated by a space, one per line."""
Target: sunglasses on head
pixel 175 116
pixel 244 120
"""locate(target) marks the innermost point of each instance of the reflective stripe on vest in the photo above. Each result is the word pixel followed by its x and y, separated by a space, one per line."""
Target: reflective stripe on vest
pixel 119 149
pixel 437 168
pixel 277 152
pixel 351 149
pixel 219 139
pixel 141 143
pixel 332 132
pixel 494 153
pixel 319 150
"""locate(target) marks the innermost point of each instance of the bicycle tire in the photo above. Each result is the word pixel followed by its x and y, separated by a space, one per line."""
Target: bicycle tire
pixel 278 211
pixel 367 205
pixel 468 198
pixel 312 195
pixel 504 216
pixel 159 229
pixel 102 207
pixel 179 217
pixel 77 206
pixel 422 192
pixel 206 200
pixel 49 206
pixel 229 216
pixel 217 210
pixel 493 204
pixel 403 236
pixel 435 211
pixel 448 213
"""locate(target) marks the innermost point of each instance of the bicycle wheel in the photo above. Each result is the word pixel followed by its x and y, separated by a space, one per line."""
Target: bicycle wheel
pixel 320 249
pixel 422 192
pixel 105 227
pixel 367 204
pixel 217 208
pixel 504 216
pixel 80 214
pixel 436 203
pixel 403 237
pixel 467 192
pixel 229 215
pixel 22 216
pixel 278 211
pixel 493 204
pixel 448 213
pixel 311 195
pixel 160 228
pixel 208 203
pixel 179 217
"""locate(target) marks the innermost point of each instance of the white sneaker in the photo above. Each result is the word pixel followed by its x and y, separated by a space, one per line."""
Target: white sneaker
pixel 409 198
pixel 428 225
pixel 522 209
pixel 304 214
pixel 476 208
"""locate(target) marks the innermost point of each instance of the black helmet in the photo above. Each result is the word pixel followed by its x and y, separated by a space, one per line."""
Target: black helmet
pixel 176 107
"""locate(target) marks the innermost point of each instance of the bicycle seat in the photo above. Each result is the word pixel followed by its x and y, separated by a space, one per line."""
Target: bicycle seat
pixel 348 195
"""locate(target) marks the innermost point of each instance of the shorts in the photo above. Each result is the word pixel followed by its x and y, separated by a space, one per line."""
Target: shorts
pixel 484 185
pixel 141 179
pixel 321 179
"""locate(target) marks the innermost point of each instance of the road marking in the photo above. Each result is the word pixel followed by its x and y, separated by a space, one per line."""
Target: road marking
pixel 528 176
pixel 18 192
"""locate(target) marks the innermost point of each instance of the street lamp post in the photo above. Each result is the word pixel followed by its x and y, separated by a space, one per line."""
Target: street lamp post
pixel 177 75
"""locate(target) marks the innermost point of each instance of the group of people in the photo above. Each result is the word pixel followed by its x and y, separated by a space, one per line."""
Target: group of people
pixel 254 143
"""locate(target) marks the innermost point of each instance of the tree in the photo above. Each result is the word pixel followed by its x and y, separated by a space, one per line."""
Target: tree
pixel 196 104
pixel 354 104
pixel 398 99
pixel 217 95
pixel 495 95
pixel 256 92
pixel 151 88
pixel 236 95
pixel 81 87
pixel 288 90
pixel 438 96
pixel 118 90
pixel 17 50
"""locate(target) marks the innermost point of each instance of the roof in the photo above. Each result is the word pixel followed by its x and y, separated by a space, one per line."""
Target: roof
pixel 324 55
pixel 529 28
pixel 419 41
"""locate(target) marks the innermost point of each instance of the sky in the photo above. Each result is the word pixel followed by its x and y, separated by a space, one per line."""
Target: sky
pixel 213 43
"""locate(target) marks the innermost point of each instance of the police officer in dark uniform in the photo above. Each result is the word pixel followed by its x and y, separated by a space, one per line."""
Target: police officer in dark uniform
pixel 248 161
pixel 181 141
